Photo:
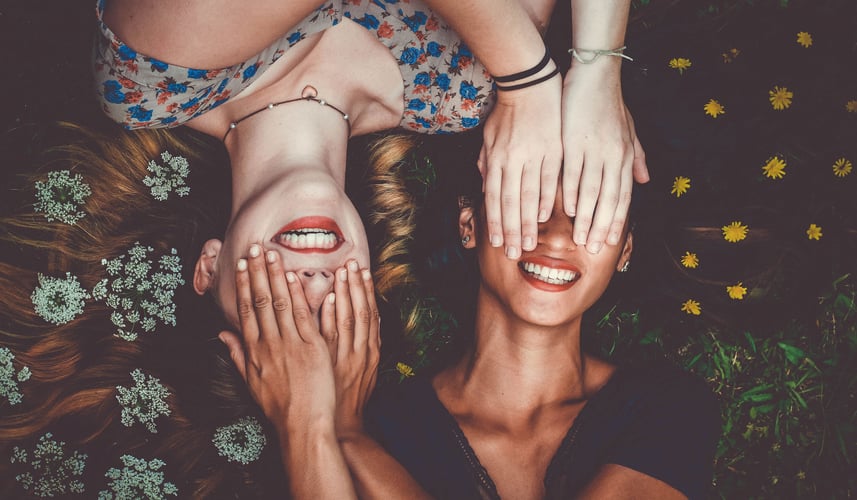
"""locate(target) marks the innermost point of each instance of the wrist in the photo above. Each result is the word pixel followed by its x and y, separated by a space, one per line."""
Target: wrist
pixel 601 74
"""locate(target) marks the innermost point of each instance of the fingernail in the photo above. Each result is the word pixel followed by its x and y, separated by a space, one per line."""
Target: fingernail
pixel 512 253
pixel 571 212
pixel 580 238
pixel 290 277
pixel 495 240
pixel 343 275
pixel 528 243
pixel 255 251
pixel 612 239
pixel 543 216
pixel 271 256
pixel 366 275
pixel 242 264
pixel 331 298
pixel 594 247
pixel 220 337
pixel 352 265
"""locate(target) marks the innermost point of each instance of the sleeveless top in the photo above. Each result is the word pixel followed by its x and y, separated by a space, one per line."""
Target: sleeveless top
pixel 446 89
pixel 655 419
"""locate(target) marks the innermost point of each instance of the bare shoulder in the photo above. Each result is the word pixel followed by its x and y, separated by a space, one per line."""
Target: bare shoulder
pixel 621 483
pixel 207 34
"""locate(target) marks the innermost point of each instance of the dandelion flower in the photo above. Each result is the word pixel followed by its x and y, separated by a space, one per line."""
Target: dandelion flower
pixel 775 168
pixel 735 232
pixel 240 442
pixel 737 292
pixel 57 300
pixel 61 196
pixel 804 39
pixel 404 369
pixel 137 479
pixel 690 260
pixel 730 55
pixel 680 63
pixel 841 167
pixel 814 232
pixel 713 108
pixel 851 106
pixel 680 186
pixel 691 306
pixel 780 97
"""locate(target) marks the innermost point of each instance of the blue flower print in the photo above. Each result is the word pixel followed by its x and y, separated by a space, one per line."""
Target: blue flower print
pixel 223 84
pixel 469 122
pixel 434 49
pixel 453 62
pixel 190 103
pixel 126 53
pixel 295 37
pixel 112 93
pixel 158 65
pixel 432 108
pixel 369 22
pixel 411 55
pixel 422 79
pixel 423 122
pixel 464 50
pixel 249 71
pixel 416 104
pixel 168 120
pixel 140 113
pixel 196 74
pixel 442 81
pixel 414 22
pixel 176 88
pixel 467 90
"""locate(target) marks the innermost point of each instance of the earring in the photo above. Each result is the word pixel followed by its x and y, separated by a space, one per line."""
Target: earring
pixel 465 240
pixel 625 266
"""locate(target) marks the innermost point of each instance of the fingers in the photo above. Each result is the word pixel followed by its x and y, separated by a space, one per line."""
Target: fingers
pixel 551 167
pixel 621 215
pixel 301 312
pixel 375 325
pixel 493 216
pixel 571 171
pixel 328 325
pixel 360 306
pixel 608 200
pixel 510 210
pixel 344 313
pixel 588 191
pixel 640 169
pixel 530 204
pixel 281 302
pixel 244 300
pixel 261 292
pixel 236 351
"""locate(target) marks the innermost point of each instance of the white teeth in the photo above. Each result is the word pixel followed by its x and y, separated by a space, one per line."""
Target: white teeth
pixel 548 274
pixel 309 238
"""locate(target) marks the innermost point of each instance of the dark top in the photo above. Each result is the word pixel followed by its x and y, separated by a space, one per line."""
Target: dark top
pixel 656 419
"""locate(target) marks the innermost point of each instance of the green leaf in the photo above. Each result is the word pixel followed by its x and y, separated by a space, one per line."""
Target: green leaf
pixel 793 354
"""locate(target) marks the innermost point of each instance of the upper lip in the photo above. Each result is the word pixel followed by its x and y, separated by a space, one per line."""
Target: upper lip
pixel 311 222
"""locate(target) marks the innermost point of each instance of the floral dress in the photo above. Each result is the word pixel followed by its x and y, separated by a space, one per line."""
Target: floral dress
pixel 446 89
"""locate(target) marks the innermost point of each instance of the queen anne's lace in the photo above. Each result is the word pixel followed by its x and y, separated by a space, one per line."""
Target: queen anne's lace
pixel 145 401
pixel 240 442
pixel 61 196
pixel 57 300
pixel 51 473
pixel 139 295
pixel 9 379
pixel 137 479
pixel 167 178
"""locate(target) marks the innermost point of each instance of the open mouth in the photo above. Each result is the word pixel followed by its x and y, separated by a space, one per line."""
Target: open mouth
pixel 549 276
pixel 310 235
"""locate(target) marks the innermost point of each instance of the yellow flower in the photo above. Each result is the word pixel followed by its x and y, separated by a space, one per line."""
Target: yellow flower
pixel 404 369
pixel 730 55
pixel 690 260
pixel 775 168
pixel 841 167
pixel 805 39
pixel 735 232
pixel 736 292
pixel 780 97
pixel 691 306
pixel 680 63
pixel 814 232
pixel 713 108
pixel 851 106
pixel 680 186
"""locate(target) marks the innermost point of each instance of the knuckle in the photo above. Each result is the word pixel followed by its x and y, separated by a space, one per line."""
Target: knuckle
pixel 302 314
pixel 281 304
pixel 364 316
pixel 262 301
pixel 529 194
pixel 245 308
pixel 348 323
pixel 509 201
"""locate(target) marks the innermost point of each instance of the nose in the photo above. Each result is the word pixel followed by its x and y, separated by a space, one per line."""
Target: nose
pixel 556 233
pixel 317 283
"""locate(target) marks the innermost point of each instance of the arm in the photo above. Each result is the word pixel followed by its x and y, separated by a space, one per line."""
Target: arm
pixel 602 154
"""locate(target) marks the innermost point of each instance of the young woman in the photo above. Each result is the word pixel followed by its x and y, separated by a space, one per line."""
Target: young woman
pixel 523 412
pixel 285 84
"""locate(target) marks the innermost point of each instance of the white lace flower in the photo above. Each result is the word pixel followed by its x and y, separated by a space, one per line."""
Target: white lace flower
pixel 51 473
pixel 57 300
pixel 137 479
pixel 145 401
pixel 169 177
pixel 240 442
pixel 9 378
pixel 138 294
pixel 61 196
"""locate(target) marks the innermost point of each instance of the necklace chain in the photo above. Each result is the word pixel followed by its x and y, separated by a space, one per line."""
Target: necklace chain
pixel 305 96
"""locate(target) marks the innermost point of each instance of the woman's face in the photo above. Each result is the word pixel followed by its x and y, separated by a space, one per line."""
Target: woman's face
pixel 309 221
pixel 553 284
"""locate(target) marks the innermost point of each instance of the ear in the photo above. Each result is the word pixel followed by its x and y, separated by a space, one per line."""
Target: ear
pixel 625 256
pixel 466 228
pixel 204 272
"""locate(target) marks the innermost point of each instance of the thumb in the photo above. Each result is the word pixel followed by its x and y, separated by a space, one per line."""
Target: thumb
pixel 236 351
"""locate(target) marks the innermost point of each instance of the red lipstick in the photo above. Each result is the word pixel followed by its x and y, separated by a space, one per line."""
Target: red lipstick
pixel 552 263
pixel 310 222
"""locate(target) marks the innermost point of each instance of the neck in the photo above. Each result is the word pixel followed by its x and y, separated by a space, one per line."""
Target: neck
pixel 275 142
pixel 521 365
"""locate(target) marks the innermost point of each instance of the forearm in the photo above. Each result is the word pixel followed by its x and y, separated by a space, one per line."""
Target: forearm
pixel 376 474
pixel 499 32
pixel 314 463
pixel 599 24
